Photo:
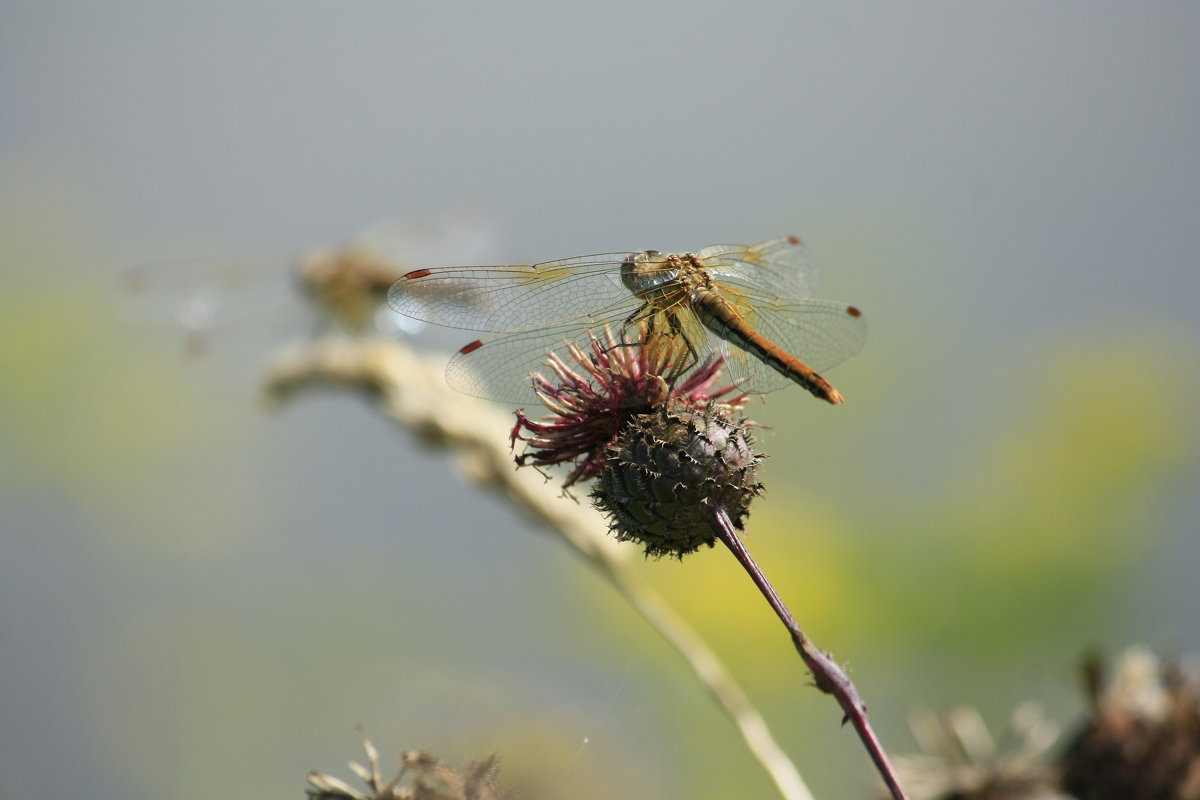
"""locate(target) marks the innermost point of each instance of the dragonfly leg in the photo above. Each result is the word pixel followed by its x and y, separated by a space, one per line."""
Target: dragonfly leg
pixel 652 336
pixel 641 315
pixel 674 334
pixel 677 331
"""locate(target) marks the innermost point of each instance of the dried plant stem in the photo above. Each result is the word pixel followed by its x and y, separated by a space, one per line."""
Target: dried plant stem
pixel 412 391
pixel 830 677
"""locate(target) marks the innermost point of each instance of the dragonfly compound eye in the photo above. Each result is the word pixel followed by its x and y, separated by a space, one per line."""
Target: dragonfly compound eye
pixel 629 269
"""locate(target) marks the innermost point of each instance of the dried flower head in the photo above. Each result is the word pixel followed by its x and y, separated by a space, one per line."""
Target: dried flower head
pixel 421 777
pixel 961 759
pixel 666 447
pixel 1143 739
pixel 669 469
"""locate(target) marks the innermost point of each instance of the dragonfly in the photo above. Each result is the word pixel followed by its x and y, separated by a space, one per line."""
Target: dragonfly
pixel 751 306
pixel 339 287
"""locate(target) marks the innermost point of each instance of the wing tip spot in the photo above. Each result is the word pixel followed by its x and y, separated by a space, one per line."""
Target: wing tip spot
pixel 793 240
pixel 471 347
pixel 854 312
pixel 416 273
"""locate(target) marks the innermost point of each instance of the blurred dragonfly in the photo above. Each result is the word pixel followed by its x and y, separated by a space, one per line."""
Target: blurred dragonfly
pixel 748 305
pixel 338 287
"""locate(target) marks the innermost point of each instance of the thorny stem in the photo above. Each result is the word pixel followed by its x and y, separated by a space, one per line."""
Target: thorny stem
pixel 829 676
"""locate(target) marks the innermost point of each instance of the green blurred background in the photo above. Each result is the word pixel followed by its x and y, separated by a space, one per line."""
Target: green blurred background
pixel 198 596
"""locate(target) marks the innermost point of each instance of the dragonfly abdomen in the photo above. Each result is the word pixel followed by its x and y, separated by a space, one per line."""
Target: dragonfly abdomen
pixel 720 317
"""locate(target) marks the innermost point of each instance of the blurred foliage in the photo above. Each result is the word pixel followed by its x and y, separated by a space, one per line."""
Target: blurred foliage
pixel 1030 542
pixel 1024 556
pixel 86 403
pixel 99 411
pixel 1037 540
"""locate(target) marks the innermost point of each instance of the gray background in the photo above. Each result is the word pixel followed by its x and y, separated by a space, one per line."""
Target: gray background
pixel 198 596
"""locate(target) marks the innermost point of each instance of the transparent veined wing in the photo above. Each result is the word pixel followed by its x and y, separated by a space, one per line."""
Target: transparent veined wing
pixel 514 297
pixel 499 367
pixel 774 268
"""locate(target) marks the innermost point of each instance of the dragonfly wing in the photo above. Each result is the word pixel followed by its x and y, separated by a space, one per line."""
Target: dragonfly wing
pixel 509 298
pixel 500 367
pixel 775 268
pixel 209 298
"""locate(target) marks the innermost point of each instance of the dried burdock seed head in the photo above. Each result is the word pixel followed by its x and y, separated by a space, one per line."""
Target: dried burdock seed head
pixel 960 759
pixel 421 777
pixel 1143 739
pixel 667 470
